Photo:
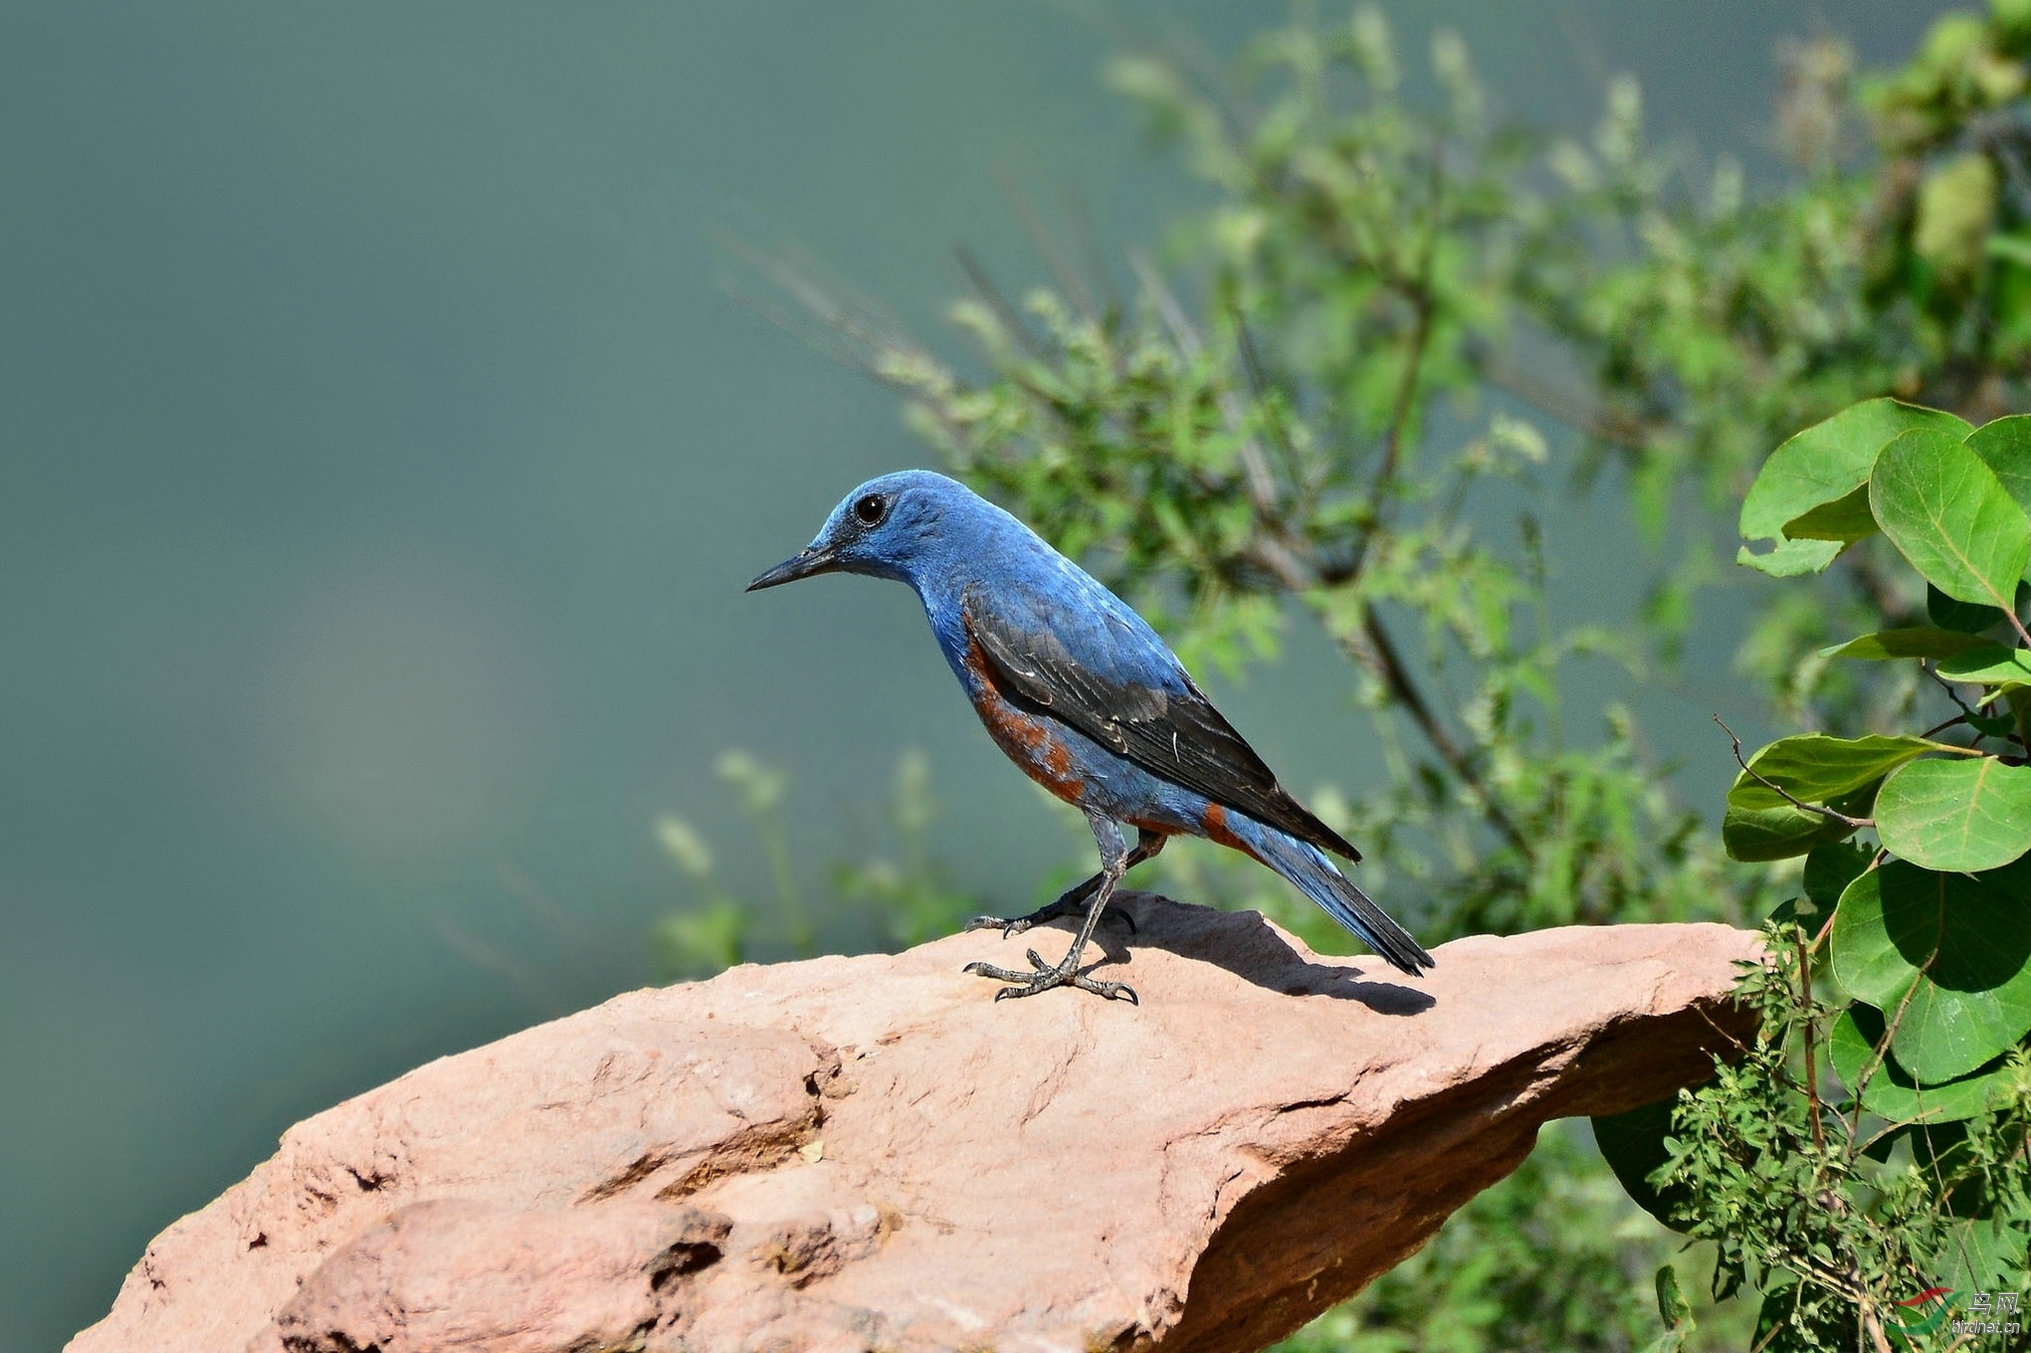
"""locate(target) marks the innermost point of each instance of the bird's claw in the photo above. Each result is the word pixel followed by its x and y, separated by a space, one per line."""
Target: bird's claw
pixel 998 974
pixel 1006 926
pixel 1011 926
pixel 1047 976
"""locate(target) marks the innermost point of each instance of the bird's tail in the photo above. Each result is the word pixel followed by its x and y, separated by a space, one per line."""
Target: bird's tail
pixel 1307 866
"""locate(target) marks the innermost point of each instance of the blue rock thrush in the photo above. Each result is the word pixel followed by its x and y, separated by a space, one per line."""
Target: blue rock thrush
pixel 1080 692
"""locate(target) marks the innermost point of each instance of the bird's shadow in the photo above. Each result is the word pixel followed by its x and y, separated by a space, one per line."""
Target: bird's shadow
pixel 1245 944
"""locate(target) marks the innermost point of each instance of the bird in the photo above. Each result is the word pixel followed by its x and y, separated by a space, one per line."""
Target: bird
pixel 1084 696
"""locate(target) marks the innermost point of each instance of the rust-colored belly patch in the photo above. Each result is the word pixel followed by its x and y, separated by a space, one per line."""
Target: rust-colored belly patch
pixel 1028 740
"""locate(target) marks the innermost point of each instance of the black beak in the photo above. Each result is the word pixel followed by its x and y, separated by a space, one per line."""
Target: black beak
pixel 802 566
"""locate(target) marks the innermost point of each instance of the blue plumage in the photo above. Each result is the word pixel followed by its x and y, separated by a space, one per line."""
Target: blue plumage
pixel 1084 696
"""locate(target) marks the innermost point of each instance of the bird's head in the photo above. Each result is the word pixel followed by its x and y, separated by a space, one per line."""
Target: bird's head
pixel 889 527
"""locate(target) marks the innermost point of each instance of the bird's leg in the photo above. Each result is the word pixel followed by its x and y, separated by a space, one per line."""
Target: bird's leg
pixel 1147 844
pixel 1114 861
pixel 1069 901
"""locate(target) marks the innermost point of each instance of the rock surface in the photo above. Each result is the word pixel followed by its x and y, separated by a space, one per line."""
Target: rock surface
pixel 852 1153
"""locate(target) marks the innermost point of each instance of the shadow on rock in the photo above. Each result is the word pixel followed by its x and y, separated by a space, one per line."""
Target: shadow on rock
pixel 1243 943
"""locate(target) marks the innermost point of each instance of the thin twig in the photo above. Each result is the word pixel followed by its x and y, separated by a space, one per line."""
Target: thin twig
pixel 1261 483
pixel 997 300
pixel 1811 1066
pixel 1081 213
pixel 1062 272
pixel 1942 727
pixel 1882 1048
pixel 1878 589
pixel 1273 551
pixel 2018 625
pixel 1951 694
pixel 1969 713
pixel 1419 293
pixel 849 328
pixel 1776 1328
pixel 1825 928
pixel 1259 384
pixel 1589 417
pixel 1786 794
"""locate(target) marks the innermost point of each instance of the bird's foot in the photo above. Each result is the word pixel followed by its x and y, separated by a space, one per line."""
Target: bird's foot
pixel 1046 976
pixel 1017 925
pixel 1068 905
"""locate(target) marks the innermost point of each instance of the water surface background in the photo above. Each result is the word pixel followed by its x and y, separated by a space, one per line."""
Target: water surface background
pixel 381 460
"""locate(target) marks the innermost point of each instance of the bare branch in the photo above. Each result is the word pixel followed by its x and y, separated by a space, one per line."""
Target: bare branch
pixel 1389 665
pixel 1585 414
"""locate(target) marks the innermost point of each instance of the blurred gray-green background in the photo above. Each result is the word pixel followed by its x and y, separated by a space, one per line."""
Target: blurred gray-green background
pixel 381 460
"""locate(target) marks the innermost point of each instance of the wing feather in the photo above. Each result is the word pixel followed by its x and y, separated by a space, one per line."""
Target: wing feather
pixel 1175 734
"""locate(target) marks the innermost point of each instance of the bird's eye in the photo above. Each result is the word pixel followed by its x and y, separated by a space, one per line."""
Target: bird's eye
pixel 870 510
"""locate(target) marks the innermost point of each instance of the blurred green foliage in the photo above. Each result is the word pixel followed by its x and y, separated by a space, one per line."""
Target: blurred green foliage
pixel 715 931
pixel 903 885
pixel 907 887
pixel 1342 399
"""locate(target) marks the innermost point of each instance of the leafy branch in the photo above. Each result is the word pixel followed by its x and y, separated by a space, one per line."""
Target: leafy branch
pixel 1929 942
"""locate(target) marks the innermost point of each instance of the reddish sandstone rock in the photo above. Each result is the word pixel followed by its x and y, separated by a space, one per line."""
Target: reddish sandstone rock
pixel 859 1153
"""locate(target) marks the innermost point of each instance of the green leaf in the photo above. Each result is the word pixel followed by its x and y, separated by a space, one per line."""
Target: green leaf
pixel 1816 767
pixel 1986 1255
pixel 2005 447
pixel 1830 868
pixel 1781 831
pixel 1994 725
pixel 1846 519
pixel 1798 911
pixel 1789 558
pixel 1989 664
pixel 1753 834
pixel 699 943
pixel 1965 616
pixel 1633 1145
pixel 1675 1311
pixel 1950 518
pixel 1918 641
pixel 1672 1306
pixel 1785 1325
pixel 1941 1150
pixel 1891 1092
pixel 1957 944
pixel 1821 465
pixel 1962 815
pixel 2013 248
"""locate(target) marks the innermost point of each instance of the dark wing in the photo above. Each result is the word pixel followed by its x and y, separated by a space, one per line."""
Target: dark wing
pixel 1174 733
